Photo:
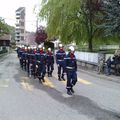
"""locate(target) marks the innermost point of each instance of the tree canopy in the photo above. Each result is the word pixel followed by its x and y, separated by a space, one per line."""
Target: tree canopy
pixel 77 21
pixel 111 17
pixel 4 28
pixel 40 35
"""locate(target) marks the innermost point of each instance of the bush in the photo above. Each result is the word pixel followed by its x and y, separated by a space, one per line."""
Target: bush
pixel 3 51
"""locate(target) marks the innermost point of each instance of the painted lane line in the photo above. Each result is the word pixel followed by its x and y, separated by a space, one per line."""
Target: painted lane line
pixel 48 83
pixel 84 81
pixel 26 84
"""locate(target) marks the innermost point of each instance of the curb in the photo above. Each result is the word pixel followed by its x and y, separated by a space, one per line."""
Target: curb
pixel 102 76
pixel 3 54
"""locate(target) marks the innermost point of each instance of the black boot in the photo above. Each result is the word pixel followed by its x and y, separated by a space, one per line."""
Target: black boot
pixel 40 81
pixel 50 73
pixel 69 92
pixel 59 78
pixel 72 90
pixel 43 79
pixel 63 77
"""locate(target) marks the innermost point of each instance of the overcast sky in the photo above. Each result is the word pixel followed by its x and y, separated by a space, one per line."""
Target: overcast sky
pixel 8 7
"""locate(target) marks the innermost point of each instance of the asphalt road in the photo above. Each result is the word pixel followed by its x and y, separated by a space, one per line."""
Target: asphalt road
pixel 23 98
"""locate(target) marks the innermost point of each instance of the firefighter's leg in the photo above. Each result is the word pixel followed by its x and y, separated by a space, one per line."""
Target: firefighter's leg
pixel 48 70
pixel 59 72
pixel 43 72
pixel 69 86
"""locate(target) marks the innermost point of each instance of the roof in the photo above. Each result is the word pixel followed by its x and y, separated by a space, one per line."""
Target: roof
pixel 20 8
pixel 5 37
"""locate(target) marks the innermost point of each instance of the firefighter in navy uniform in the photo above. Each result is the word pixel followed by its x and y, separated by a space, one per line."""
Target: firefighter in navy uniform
pixel 60 55
pixel 28 60
pixel 41 64
pixel 49 62
pixel 33 61
pixel 20 52
pixel 71 69
pixel 24 57
pixel 18 49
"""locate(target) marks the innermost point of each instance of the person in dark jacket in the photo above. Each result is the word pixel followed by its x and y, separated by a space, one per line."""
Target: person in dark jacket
pixel 50 62
pixel 108 66
pixel 41 64
pixel 71 69
pixel 20 56
pixel 24 58
pixel 60 55
pixel 116 63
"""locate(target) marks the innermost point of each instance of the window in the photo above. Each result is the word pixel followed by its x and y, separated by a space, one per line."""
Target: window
pixel 22 30
pixel 22 23
pixel 18 37
pixel 17 33
pixel 22 37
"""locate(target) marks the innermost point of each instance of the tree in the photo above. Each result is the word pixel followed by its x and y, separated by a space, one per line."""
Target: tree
pixel 4 28
pixel 111 17
pixel 40 35
pixel 71 20
pixel 89 11
pixel 12 32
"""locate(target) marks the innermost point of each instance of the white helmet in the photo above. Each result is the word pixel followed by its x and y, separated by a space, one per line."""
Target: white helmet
pixel 35 47
pixel 39 46
pixel 49 49
pixel 71 48
pixel 22 46
pixel 25 48
pixel 32 47
pixel 28 47
pixel 43 48
pixel 60 45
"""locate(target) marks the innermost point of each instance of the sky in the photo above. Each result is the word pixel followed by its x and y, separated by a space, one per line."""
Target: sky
pixel 8 8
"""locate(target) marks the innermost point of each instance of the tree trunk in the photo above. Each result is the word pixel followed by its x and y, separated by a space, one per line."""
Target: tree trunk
pixel 90 45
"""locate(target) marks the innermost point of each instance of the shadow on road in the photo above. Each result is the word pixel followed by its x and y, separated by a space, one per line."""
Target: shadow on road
pixel 81 104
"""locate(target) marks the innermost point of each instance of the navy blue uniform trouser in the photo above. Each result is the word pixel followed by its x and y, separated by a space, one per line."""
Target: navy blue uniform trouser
pixel 24 64
pixel 61 69
pixel 21 62
pixel 50 68
pixel 108 70
pixel 71 79
pixel 41 70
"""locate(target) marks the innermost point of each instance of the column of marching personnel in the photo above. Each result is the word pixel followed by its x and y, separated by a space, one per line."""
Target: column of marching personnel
pixel 37 62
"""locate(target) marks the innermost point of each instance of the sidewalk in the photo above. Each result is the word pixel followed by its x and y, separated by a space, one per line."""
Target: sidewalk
pixel 102 76
pixel 3 54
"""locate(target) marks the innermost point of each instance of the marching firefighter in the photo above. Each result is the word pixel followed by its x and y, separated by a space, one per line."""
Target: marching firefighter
pixel 33 61
pixel 41 64
pixel 30 58
pixel 24 57
pixel 71 69
pixel 49 62
pixel 20 52
pixel 60 55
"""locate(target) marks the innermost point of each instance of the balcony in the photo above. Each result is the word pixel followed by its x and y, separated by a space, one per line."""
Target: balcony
pixel 17 30
pixel 17 39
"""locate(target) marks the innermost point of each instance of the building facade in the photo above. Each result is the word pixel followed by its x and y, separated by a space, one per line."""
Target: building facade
pixel 20 26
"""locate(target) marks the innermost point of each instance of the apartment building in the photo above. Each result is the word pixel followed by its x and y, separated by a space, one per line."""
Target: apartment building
pixel 20 26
